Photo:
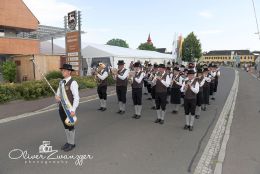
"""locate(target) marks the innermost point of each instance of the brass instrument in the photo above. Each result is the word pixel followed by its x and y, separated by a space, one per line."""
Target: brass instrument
pixel 114 72
pixel 95 71
pixel 131 76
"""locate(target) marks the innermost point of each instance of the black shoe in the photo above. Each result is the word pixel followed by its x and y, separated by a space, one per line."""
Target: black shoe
pixel 197 116
pixel 167 102
pixel 162 122
pixel 191 128
pixel 119 112
pixel 153 107
pixel 70 147
pixel 138 117
pixel 65 146
pixel 134 116
pixel 100 109
pixel 186 127
pixel 174 112
pixel 157 120
pixel 122 112
pixel 103 109
pixel 212 98
pixel 182 105
pixel 149 98
pixel 204 108
pixel 145 93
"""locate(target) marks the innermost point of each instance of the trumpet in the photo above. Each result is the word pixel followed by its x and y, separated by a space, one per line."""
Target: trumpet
pixel 94 72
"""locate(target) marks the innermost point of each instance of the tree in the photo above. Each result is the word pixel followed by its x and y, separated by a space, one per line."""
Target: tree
pixel 146 46
pixel 9 71
pixel 191 48
pixel 118 42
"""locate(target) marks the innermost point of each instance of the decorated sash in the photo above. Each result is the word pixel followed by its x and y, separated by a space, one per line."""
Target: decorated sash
pixel 66 105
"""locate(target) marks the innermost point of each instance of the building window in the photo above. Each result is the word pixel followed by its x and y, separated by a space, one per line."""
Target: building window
pixel 2 32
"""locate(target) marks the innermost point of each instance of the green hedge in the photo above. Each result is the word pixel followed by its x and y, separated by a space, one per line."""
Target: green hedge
pixel 37 89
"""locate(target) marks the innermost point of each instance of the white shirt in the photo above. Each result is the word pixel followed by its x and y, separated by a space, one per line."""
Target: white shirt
pixel 139 80
pixel 195 88
pixel 103 76
pixel 75 92
pixel 166 82
pixel 180 81
pixel 125 75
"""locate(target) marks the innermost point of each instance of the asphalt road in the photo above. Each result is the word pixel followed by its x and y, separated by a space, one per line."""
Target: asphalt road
pixel 118 144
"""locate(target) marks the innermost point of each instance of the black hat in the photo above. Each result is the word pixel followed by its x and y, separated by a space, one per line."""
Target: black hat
pixel 205 69
pixel 176 69
pixel 155 65
pixel 149 64
pixel 137 64
pixel 185 69
pixel 190 71
pixel 199 70
pixel 120 62
pixel 161 66
pixel 182 66
pixel 168 68
pixel 67 67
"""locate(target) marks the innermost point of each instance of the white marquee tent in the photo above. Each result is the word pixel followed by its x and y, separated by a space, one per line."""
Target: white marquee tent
pixel 111 54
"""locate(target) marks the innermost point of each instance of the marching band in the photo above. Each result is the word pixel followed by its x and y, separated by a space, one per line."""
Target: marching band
pixel 194 85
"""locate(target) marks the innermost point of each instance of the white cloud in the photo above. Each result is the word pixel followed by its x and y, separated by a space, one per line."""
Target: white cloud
pixel 50 12
pixel 205 14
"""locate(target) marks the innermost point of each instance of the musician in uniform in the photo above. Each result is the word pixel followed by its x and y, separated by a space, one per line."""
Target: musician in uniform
pixel 206 88
pixel 217 75
pixel 170 74
pixel 176 90
pixel 153 85
pixel 190 88
pixel 137 84
pixel 199 101
pixel 162 81
pixel 212 75
pixel 70 86
pixel 121 85
pixel 102 75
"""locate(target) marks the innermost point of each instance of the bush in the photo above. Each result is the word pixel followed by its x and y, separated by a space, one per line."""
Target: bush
pixel 37 89
pixel 8 92
pixel 110 80
pixel 9 71
pixel 54 75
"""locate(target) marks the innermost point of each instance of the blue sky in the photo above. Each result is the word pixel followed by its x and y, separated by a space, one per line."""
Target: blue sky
pixel 219 24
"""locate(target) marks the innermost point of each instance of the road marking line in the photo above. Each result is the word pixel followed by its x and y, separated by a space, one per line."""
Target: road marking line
pixel 206 163
pixel 30 114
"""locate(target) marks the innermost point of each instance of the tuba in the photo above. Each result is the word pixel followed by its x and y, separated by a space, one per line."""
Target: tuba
pixel 131 76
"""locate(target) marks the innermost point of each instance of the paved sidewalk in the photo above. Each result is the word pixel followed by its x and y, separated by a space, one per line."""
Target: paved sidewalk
pixel 18 107
pixel 242 154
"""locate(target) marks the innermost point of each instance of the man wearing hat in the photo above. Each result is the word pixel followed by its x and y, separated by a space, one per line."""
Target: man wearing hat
pixel 190 88
pixel 152 84
pixel 162 81
pixel 176 90
pixel 217 75
pixel 137 86
pixel 102 86
pixel 200 101
pixel 70 86
pixel 206 88
pixel 121 85
pixel 212 75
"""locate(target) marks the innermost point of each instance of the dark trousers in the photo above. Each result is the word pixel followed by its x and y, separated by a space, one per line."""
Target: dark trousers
pixel 102 92
pixel 189 106
pixel 206 95
pixel 176 96
pixel 160 100
pixel 121 93
pixel 63 118
pixel 200 98
pixel 153 92
pixel 137 96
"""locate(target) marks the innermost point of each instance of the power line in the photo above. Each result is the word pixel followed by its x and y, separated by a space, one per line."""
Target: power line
pixel 256 19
